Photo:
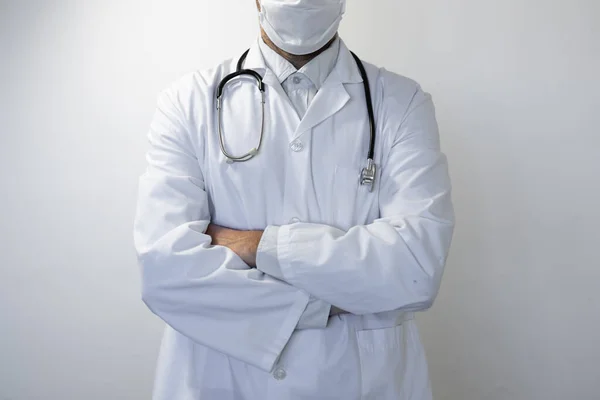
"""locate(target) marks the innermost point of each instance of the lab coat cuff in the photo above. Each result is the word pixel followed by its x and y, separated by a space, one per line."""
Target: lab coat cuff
pixel 277 344
pixel 267 255
pixel 316 315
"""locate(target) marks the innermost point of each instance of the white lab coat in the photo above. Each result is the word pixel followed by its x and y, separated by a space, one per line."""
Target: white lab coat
pixel 232 331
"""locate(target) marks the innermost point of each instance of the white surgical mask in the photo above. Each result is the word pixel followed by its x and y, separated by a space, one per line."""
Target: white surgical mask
pixel 301 26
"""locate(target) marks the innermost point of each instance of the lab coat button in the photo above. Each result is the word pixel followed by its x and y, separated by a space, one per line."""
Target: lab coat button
pixel 297 146
pixel 296 80
pixel 279 374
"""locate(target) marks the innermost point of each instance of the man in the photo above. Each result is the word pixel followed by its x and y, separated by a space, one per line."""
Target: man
pixel 282 276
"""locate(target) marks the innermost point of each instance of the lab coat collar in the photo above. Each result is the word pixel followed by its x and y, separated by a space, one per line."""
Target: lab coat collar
pixel 256 62
pixel 344 71
pixel 317 70
pixel 332 96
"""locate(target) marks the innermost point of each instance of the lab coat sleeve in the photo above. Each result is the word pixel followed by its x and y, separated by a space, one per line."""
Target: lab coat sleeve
pixel 205 292
pixel 317 311
pixel 396 262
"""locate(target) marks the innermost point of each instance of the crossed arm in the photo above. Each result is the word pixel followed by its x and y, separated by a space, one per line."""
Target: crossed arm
pixel 245 245
pixel 242 243
pixel 190 268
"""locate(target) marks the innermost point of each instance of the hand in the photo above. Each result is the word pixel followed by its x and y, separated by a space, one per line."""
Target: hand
pixel 242 243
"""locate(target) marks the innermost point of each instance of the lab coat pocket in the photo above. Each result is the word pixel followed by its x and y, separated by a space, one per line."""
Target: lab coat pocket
pixel 345 186
pixel 382 355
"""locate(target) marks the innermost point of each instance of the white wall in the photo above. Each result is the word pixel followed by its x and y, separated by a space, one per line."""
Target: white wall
pixel 518 98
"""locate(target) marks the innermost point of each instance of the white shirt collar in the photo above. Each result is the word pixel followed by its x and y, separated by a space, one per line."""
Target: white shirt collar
pixel 317 69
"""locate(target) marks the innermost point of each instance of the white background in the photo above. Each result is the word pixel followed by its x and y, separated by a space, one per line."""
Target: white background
pixel 518 97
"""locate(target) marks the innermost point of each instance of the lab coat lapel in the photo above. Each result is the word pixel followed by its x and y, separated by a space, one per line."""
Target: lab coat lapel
pixel 333 95
pixel 328 101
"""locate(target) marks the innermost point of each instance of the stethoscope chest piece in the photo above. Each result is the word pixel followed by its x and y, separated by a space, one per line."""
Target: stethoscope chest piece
pixel 368 175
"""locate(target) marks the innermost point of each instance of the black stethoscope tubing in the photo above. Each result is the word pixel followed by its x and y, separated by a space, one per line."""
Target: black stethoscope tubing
pixel 368 174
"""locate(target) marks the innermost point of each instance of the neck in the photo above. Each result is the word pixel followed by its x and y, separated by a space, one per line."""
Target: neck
pixel 298 61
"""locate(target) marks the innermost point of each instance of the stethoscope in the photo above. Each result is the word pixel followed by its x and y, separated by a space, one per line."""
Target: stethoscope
pixel 368 174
